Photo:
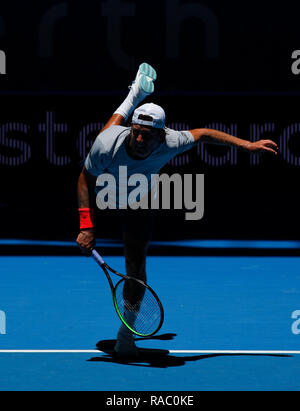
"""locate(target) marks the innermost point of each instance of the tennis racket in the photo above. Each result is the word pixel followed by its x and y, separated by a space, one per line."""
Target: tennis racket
pixel 136 304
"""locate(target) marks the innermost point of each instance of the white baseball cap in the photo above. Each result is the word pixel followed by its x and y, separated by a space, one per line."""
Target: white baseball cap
pixel 151 110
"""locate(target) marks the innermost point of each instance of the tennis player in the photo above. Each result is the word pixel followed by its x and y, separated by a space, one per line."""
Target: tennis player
pixel 144 147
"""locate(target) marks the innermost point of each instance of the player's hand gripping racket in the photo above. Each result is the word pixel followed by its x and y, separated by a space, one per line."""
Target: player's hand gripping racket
pixel 137 305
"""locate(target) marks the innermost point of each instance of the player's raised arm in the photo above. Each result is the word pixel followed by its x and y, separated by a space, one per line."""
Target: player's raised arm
pixel 207 135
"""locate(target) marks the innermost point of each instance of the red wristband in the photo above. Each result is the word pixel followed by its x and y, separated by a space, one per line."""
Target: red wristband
pixel 86 216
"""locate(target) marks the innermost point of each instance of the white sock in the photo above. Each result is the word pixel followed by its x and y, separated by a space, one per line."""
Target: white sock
pixel 125 340
pixel 130 103
pixel 130 316
pixel 124 332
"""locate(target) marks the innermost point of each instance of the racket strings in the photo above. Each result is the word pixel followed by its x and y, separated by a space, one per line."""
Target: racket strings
pixel 144 315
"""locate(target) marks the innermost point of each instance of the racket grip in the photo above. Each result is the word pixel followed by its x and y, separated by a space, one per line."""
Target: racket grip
pixel 97 257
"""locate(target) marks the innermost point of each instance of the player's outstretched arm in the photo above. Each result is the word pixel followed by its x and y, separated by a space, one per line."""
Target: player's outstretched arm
pixel 206 135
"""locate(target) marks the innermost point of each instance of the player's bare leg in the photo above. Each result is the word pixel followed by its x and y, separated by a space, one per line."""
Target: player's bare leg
pixel 135 257
pixel 115 120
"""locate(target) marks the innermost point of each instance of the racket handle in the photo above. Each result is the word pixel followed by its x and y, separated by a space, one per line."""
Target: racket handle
pixel 97 257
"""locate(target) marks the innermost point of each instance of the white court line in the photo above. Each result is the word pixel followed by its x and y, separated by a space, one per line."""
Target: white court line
pixel 266 352
pixel 49 351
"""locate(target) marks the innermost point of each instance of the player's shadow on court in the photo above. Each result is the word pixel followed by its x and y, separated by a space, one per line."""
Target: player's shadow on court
pixel 156 358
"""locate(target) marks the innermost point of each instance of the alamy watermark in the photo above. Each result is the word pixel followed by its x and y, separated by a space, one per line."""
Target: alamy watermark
pixel 2 322
pixel 295 67
pixel 2 62
pixel 296 323
pixel 166 192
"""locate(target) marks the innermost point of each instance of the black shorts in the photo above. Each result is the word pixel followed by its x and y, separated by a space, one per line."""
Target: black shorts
pixel 113 223
pixel 138 223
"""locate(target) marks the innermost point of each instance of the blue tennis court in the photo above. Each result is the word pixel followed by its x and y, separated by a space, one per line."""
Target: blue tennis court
pixel 228 325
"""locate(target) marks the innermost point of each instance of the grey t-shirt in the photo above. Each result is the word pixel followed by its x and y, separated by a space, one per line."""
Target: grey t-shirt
pixel 108 154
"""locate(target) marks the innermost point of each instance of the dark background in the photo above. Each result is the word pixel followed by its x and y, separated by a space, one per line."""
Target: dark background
pixel 219 64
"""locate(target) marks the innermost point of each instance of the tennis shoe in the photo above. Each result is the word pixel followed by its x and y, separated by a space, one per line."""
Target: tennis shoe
pixel 143 85
pixel 125 345
pixel 126 348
